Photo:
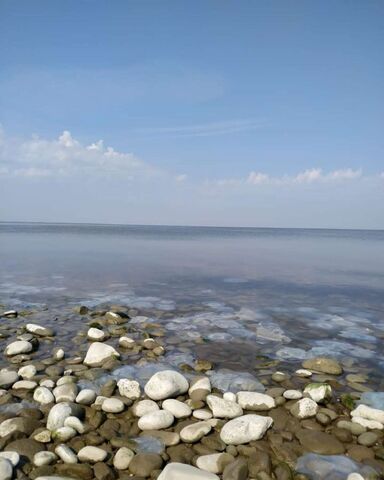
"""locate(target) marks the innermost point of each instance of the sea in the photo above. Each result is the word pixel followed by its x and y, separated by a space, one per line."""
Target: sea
pixel 230 295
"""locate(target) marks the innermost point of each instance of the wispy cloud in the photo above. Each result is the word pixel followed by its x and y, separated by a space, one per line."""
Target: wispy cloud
pixel 203 129
pixel 309 176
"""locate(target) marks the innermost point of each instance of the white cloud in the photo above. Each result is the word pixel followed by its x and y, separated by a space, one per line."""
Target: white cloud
pixel 309 176
pixel 64 156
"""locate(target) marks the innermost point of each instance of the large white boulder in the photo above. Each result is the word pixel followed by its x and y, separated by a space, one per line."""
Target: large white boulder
pixel 166 384
pixel 98 353
pixel 180 471
pixel 245 429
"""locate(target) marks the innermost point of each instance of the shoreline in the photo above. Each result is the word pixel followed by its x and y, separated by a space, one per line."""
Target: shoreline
pixel 292 420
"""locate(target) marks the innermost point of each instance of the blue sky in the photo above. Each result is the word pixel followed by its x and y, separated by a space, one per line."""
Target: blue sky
pixel 260 113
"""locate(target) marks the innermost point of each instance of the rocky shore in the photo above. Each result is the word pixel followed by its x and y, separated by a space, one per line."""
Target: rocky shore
pixel 69 412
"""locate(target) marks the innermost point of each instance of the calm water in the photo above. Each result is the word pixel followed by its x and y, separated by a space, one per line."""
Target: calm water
pixel 285 293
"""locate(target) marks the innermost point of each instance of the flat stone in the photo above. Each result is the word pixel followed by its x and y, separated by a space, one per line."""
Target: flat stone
pixel 123 458
pixel 96 334
pixel 143 407
pixel 25 447
pixel 245 429
pixel 24 385
pixel 112 405
pixel 156 420
pixel 143 464
pixel 98 353
pixel 194 432
pixel 255 401
pixel 292 394
pixel 323 365
pixel 223 408
pixel 237 470
pixel 86 396
pixel 18 347
pixel 320 442
pixel 166 384
pixel 369 413
pixel 8 378
pixel 368 439
pixel 180 471
pixel 177 408
pixel 44 458
pixel 39 330
pixel 91 454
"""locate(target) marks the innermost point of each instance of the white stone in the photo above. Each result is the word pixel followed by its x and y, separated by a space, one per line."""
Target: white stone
pixel 98 353
pixel 20 346
pixel 370 424
pixel 255 401
pixel 43 436
pixel 223 408
pixel 214 462
pixel 8 378
pixel 177 408
pixel 129 388
pixel 143 407
pixel 27 372
pixel 63 434
pixel 123 458
pixel 318 391
pixel 368 413
pixel 200 386
pixel 6 469
pixel 43 395
pixel 75 423
pixel 66 392
pixel 180 471
pixel 96 334
pixel 65 453
pixel 230 396
pixel 355 476
pixel 47 382
pixel 13 457
pixel 24 385
pixel 202 414
pixel 38 330
pixel 86 396
pixel 156 420
pixel 59 354
pixel 302 372
pixel 91 454
pixel 194 432
pixel 57 416
pixel 11 425
pixel 112 405
pixel 305 408
pixel 166 384
pixel 126 342
pixel 292 394
pixel 245 429
pixel 44 458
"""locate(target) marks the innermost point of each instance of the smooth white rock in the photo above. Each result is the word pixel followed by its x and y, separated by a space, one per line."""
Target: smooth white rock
pixel 143 407
pixel 245 429
pixel 11 425
pixel 57 416
pixel 180 471
pixel 66 454
pixel 27 372
pixel 24 385
pixel 126 342
pixel 123 458
pixel 43 395
pixel 59 354
pixel 370 424
pixel 230 396
pixel 44 458
pixel 355 476
pixel 292 394
pixel 156 420
pixel 302 372
pixel 47 382
pixel 166 384
pixel 86 396
pixel 177 408
pixel 368 413
pixel 8 378
pixel 91 454
pixel 318 391
pixel 223 408
pixel 6 469
pixel 202 414
pixel 98 353
pixel 20 346
pixel 13 457
pixel 38 330
pixel 255 401
pixel 194 432
pixel 304 408
pixel 75 423
pixel 214 462
pixel 66 392
pixel 44 436
pixel 63 434
pixel 96 334
pixel 112 405
pixel 201 384
pixel 129 388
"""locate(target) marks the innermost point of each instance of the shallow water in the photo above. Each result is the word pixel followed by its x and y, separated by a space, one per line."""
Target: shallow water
pixel 228 295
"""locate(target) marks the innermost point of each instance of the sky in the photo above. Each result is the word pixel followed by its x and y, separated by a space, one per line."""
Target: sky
pixel 211 112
